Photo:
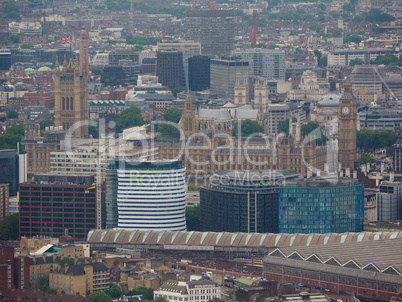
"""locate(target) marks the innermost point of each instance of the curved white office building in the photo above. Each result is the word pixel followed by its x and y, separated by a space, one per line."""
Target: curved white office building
pixel 151 195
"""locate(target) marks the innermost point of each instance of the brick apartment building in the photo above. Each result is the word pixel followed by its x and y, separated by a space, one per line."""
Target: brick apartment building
pixel 14 271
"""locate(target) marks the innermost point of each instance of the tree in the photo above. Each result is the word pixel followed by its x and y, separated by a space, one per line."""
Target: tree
pixel 148 293
pixel 356 61
pixel 130 117
pixel 161 299
pixel 176 90
pixel 114 292
pixel 92 130
pixel 351 6
pixel 248 127
pixel 10 227
pixel 323 62
pixel 100 296
pixel 308 128
pixel 284 126
pixel 9 7
pixel 45 123
pixel 365 158
pixel 15 38
pixel 352 38
pixel 26 46
pixel 388 59
pixel 165 129
pixel 96 71
pixel 337 33
pixel 192 187
pixel 369 141
pixel 172 115
pixel 12 136
pixel 43 283
pixel 12 114
pixel 376 15
pixel 318 54
pixel 193 218
pixel 67 261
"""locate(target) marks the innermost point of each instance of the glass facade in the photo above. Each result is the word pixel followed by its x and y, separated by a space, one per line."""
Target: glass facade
pixel 242 201
pixel 247 212
pixel 308 207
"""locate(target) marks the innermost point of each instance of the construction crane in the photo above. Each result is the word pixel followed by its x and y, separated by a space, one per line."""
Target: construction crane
pixel 193 5
pixel 274 28
pixel 308 34
pixel 211 4
pixel 253 32
pixel 105 23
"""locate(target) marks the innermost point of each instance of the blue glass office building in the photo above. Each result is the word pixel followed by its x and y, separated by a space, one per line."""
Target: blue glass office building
pixel 318 206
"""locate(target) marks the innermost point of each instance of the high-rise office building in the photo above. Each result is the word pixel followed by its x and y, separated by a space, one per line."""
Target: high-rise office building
pixel 279 201
pixel 169 68
pixel 396 154
pixel 188 48
pixel 5 59
pixel 112 213
pixel 13 169
pixel 242 201
pixel 318 206
pixel 347 128
pixel 71 98
pixel 199 73
pixel 215 29
pixel 52 204
pixel 275 114
pixel 389 201
pixel 4 201
pixel 366 77
pixel 225 73
pixel 264 63
pixel 151 195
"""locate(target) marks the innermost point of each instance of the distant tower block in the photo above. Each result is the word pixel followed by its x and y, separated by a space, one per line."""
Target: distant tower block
pixel 84 56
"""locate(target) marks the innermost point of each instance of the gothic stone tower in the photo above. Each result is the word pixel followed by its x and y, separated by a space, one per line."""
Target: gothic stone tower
pixel 261 98
pixel 71 99
pixel 347 127
pixel 188 121
pixel 241 94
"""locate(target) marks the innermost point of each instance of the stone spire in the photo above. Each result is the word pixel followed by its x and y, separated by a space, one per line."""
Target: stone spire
pixel 57 64
pixel 65 63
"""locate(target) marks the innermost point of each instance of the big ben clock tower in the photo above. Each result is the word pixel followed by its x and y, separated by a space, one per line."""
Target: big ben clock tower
pixel 347 127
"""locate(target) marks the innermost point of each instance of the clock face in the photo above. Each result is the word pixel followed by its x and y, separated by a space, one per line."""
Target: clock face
pixel 345 110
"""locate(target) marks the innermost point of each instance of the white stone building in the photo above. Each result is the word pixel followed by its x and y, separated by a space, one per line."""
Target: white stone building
pixel 196 290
